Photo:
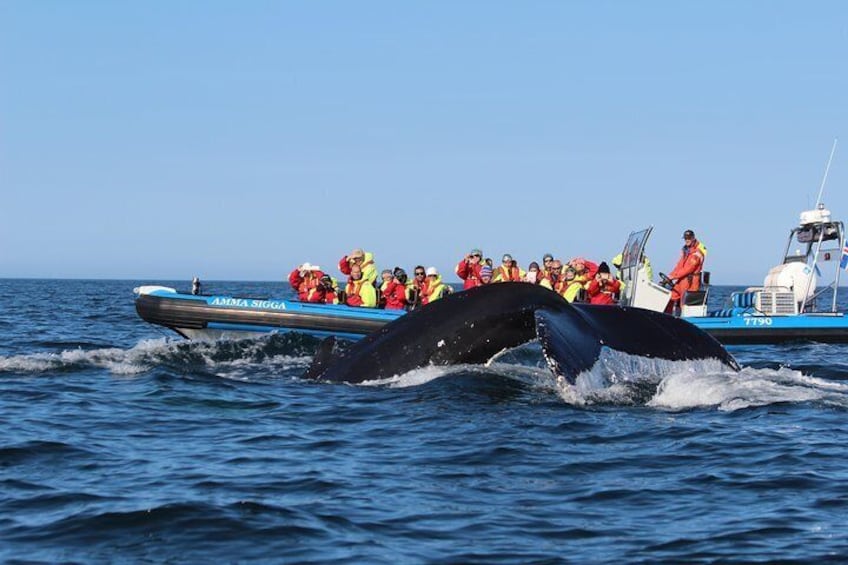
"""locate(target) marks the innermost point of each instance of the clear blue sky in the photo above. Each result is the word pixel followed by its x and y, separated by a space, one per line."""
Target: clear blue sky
pixel 234 140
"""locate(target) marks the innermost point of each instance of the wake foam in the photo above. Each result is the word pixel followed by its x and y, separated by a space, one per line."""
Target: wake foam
pixel 225 358
pixel 621 379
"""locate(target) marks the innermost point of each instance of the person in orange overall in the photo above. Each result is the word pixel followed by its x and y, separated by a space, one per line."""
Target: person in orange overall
pixel 686 275
pixel 604 287
pixel 304 280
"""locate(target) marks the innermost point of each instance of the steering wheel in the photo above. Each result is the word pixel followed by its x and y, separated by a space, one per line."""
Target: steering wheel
pixel 665 281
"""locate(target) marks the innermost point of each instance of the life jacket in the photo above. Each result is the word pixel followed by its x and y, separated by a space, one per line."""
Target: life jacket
pixel 687 271
pixel 395 296
pixel 369 269
pixel 504 274
pixel 605 294
pixel 433 290
pixel 360 293
pixel 305 286
pixel 570 290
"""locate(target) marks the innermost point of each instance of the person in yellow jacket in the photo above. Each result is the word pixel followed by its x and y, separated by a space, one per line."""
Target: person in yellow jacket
pixel 364 259
pixel 646 264
pixel 509 271
pixel 570 284
pixel 358 291
pixel 434 287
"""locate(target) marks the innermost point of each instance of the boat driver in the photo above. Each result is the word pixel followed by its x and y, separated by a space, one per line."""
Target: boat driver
pixel 686 275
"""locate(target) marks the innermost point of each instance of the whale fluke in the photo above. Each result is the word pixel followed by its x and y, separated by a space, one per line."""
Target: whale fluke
pixel 473 325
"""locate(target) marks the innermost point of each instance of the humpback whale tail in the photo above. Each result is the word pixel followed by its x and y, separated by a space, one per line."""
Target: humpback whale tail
pixel 474 325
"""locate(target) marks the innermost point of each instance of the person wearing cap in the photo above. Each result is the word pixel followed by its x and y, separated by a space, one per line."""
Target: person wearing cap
pixel 547 260
pixel 508 271
pixel 364 259
pixel 535 275
pixel 304 280
pixel 468 269
pixel 567 284
pixel 327 291
pixel 395 292
pixel 485 275
pixel 686 275
pixel 358 291
pixel 434 288
pixel 604 288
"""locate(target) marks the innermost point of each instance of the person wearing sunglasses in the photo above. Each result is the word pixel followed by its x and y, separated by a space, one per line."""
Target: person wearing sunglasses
pixel 468 269
pixel 416 286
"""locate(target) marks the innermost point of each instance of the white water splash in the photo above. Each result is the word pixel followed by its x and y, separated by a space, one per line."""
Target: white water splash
pixel 152 353
pixel 619 378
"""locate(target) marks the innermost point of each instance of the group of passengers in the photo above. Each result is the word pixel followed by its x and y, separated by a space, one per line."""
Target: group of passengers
pixel 394 290
pixel 576 280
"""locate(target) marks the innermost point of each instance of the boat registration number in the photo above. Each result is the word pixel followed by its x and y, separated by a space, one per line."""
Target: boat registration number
pixel 758 321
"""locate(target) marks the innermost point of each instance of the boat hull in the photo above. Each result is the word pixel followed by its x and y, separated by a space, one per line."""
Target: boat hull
pixel 768 330
pixel 215 317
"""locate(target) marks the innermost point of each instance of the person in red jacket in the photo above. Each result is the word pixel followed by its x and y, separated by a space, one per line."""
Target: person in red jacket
pixel 416 286
pixel 395 291
pixel 326 291
pixel 604 288
pixel 468 269
pixel 304 280
pixel 686 275
pixel 585 270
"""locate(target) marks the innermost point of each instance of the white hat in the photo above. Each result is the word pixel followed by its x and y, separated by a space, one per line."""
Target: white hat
pixel 432 271
pixel 309 267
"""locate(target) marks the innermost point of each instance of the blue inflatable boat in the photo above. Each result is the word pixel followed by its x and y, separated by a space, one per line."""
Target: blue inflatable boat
pixel 214 317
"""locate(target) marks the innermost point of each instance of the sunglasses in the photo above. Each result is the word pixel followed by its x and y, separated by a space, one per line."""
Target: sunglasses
pixel 419 273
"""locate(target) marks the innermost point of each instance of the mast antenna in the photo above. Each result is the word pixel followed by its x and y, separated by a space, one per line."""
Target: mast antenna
pixel 826 170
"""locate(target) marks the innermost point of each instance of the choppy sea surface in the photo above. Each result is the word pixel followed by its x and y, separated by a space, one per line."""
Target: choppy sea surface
pixel 124 443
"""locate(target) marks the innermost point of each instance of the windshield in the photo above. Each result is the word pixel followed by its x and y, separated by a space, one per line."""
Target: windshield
pixel 632 254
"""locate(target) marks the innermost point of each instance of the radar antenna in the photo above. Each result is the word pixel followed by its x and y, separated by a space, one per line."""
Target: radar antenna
pixel 826 170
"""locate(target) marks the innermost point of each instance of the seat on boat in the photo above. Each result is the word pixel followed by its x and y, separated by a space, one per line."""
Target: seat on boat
pixel 727 312
pixel 743 299
pixel 694 297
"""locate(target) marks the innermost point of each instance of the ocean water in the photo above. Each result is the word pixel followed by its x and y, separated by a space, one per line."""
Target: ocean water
pixel 124 443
